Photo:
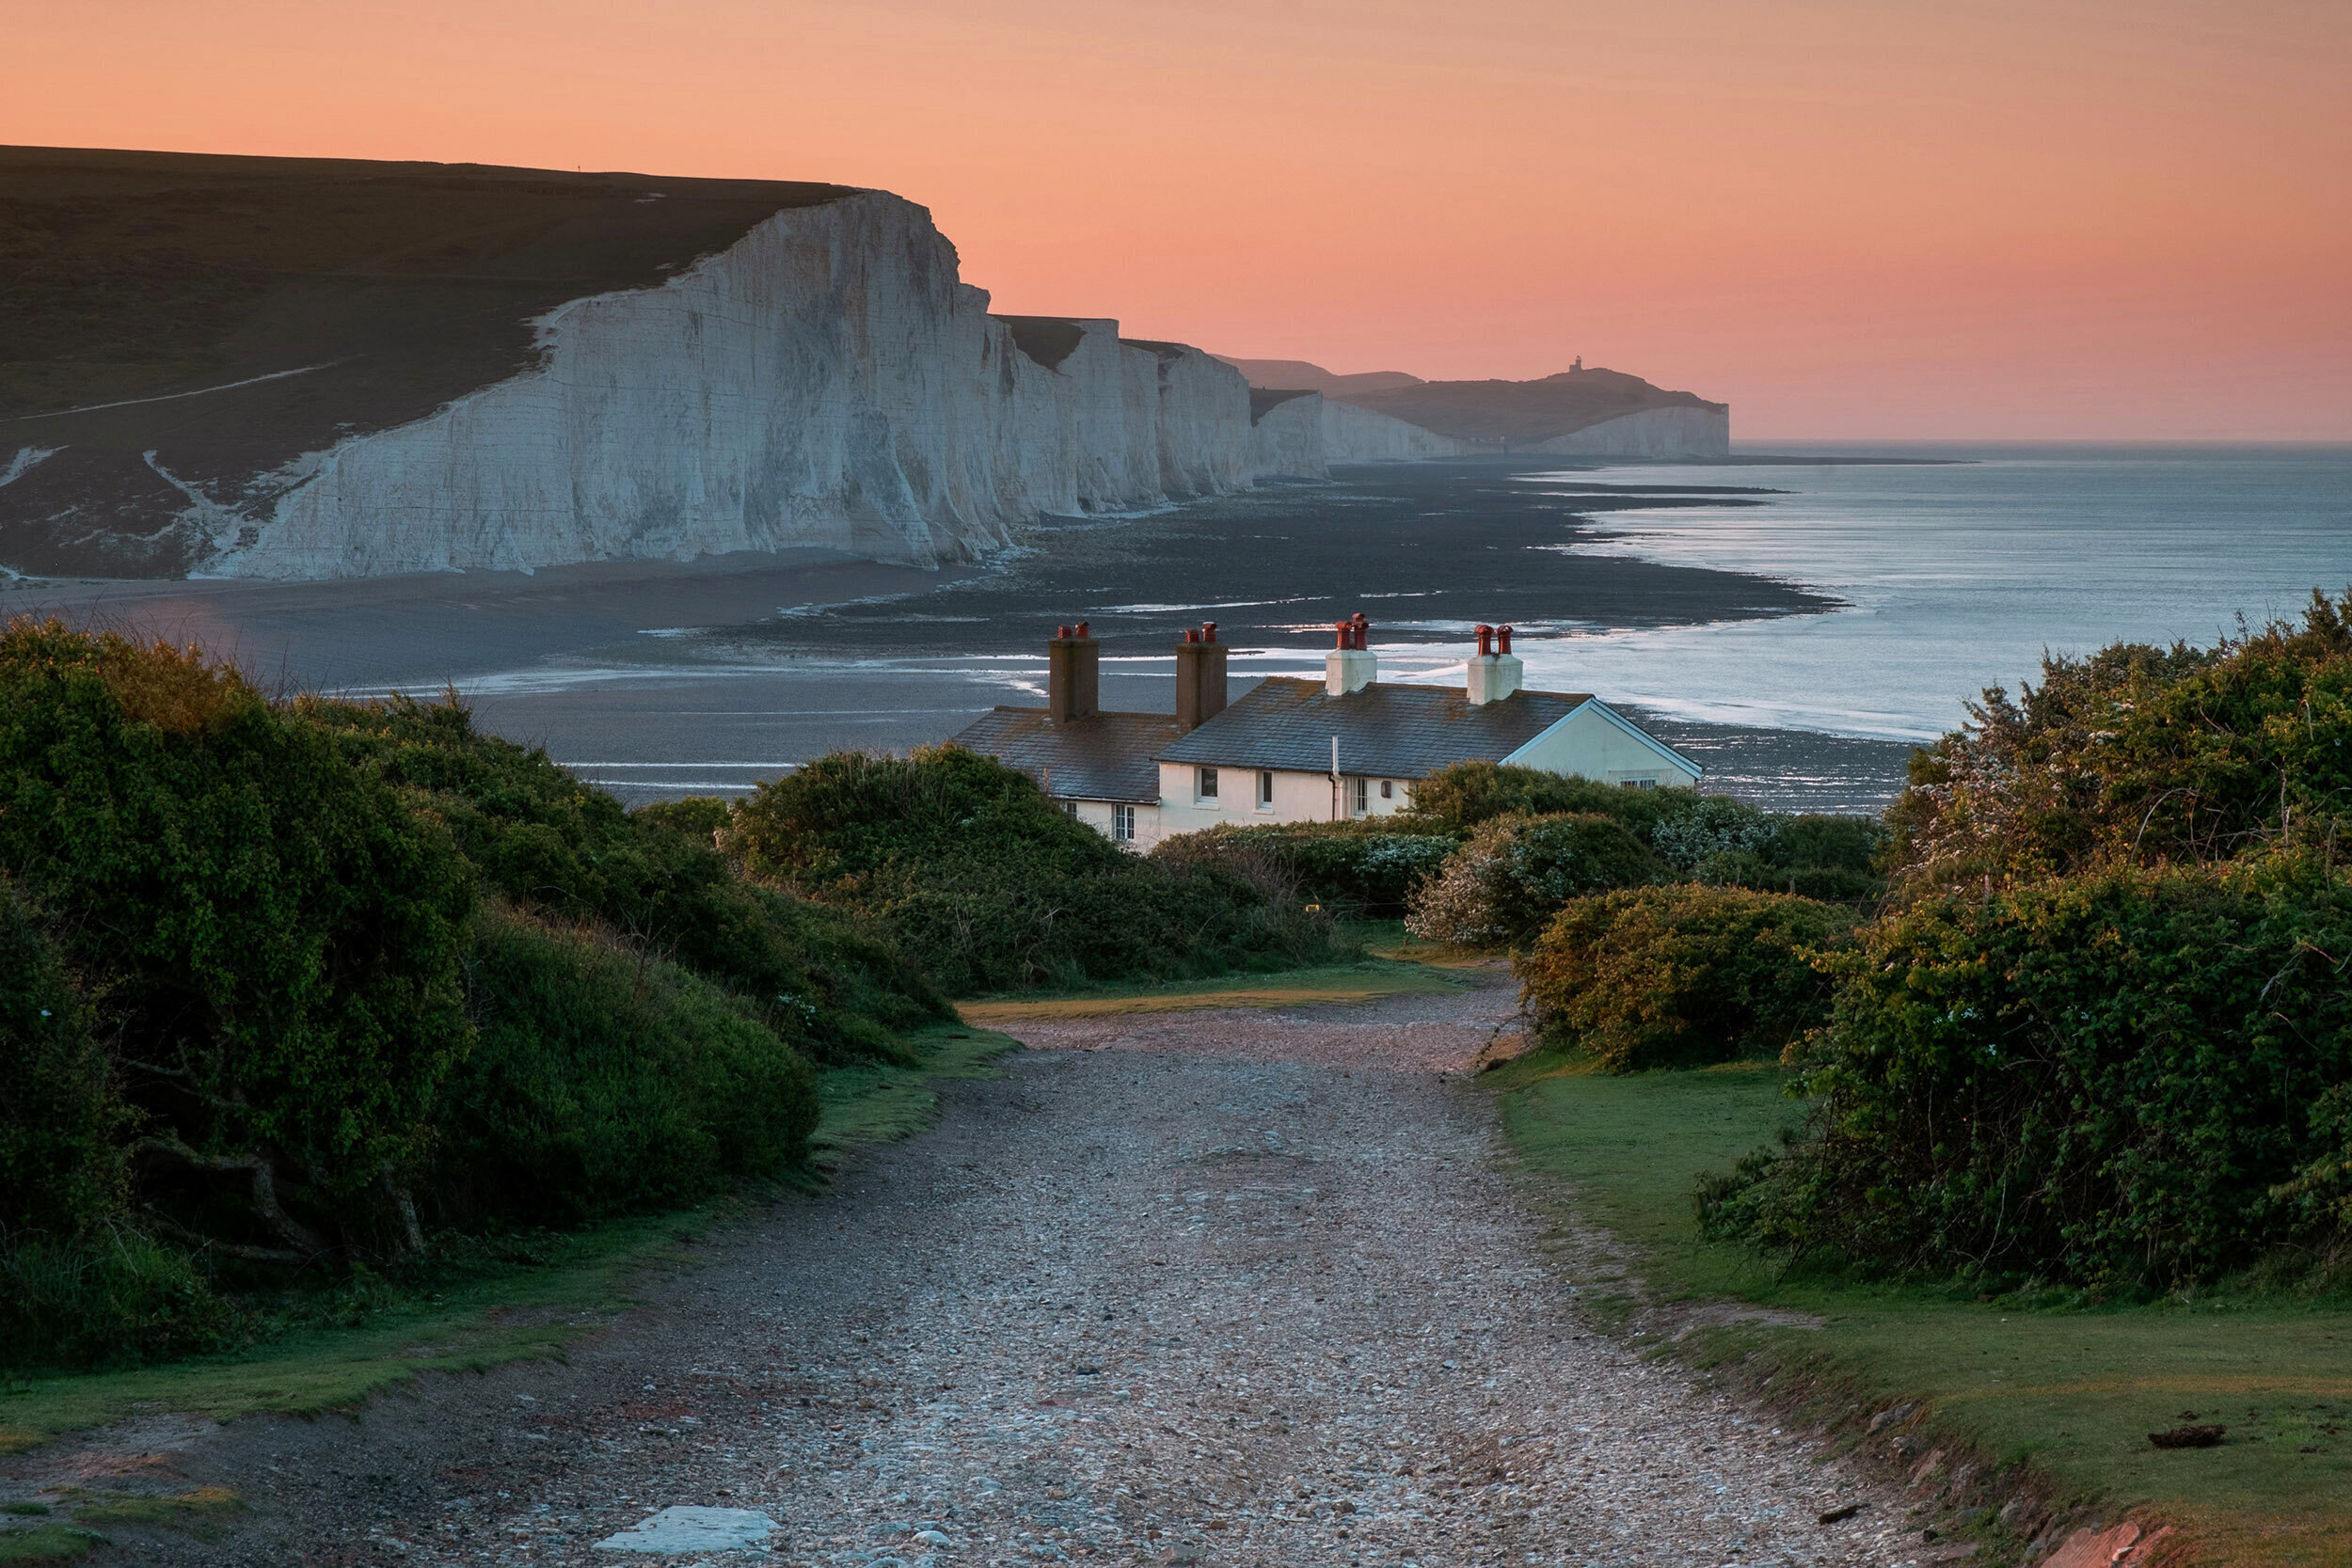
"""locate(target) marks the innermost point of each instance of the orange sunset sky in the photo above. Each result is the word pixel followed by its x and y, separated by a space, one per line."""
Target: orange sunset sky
pixel 1964 219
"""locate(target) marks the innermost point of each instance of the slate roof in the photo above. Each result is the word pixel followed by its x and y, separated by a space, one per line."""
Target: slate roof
pixel 1107 757
pixel 1389 732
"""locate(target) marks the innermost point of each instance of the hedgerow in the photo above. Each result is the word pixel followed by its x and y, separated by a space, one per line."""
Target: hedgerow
pixel 275 934
pixel 254 1027
pixel 1362 867
pixel 1516 872
pixel 963 862
pixel 604 1080
pixel 2109 1079
pixel 2142 755
pixel 656 877
pixel 1681 976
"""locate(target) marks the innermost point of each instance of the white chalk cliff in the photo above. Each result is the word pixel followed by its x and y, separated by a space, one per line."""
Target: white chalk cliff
pixel 827 381
pixel 1652 433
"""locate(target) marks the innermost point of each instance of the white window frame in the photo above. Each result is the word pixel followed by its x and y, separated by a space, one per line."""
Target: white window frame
pixel 1123 824
pixel 1359 796
pixel 1204 783
pixel 1265 789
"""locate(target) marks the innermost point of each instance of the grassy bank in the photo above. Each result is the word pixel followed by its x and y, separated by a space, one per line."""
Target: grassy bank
pixel 1329 984
pixel 2070 1390
pixel 529 1299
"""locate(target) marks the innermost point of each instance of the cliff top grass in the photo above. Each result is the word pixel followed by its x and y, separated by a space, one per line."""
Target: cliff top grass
pixel 1522 411
pixel 2067 1386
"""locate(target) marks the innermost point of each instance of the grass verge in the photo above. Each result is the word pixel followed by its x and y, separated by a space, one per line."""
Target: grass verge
pixel 1363 981
pixel 2067 1390
pixel 532 1300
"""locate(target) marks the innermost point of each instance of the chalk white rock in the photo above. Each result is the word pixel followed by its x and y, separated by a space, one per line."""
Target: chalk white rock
pixel 826 381
pixel 1353 435
pixel 676 1531
pixel 1286 441
pixel 1651 433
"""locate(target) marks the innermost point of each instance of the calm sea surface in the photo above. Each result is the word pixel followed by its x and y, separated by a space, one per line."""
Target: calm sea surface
pixel 1953 579
pixel 1794 624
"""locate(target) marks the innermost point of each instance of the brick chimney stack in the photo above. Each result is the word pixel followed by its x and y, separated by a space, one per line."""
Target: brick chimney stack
pixel 1074 675
pixel 1350 666
pixel 1199 678
pixel 1494 672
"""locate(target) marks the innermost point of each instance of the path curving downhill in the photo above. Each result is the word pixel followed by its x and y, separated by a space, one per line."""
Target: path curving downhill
pixel 1218 1286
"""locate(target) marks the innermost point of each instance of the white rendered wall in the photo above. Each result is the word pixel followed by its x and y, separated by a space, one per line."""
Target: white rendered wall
pixel 1591 743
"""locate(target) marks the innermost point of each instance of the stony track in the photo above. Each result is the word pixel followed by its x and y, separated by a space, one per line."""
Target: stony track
pixel 1226 1288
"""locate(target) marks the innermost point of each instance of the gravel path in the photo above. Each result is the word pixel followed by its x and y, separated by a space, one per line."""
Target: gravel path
pixel 1215 1287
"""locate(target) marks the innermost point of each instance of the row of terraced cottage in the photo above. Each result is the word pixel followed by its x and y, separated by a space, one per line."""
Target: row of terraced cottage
pixel 1299 750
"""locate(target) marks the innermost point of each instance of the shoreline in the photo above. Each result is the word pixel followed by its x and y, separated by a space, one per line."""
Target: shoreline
pixel 658 679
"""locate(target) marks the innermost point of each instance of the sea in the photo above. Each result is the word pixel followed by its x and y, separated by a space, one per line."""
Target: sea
pixel 1797 620
pixel 1951 578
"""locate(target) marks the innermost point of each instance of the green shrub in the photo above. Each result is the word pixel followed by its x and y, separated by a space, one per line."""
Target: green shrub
pixel 1706 838
pixel 1516 872
pixel 552 844
pixel 1681 976
pixel 1469 794
pixel 274 935
pixel 603 1081
pixel 105 1295
pixel 2142 754
pixel 700 818
pixel 2102 1080
pixel 64 1165
pixel 1361 867
pixel 963 864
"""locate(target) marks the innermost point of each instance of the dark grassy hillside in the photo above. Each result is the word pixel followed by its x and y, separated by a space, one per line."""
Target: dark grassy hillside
pixel 1302 375
pixel 390 287
pixel 1521 412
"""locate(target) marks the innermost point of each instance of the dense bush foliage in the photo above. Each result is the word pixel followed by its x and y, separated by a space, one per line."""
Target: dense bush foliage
pixel 275 934
pixel 963 861
pixel 552 845
pixel 1365 868
pixel 2102 1079
pixel 603 1079
pixel 64 1166
pixel 1703 838
pixel 1463 796
pixel 1516 872
pixel 241 973
pixel 1681 976
pixel 2144 755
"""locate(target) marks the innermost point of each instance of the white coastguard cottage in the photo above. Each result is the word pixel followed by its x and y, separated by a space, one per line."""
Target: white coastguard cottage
pixel 1299 750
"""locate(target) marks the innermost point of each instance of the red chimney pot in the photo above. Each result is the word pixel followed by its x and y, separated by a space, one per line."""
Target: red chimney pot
pixel 1504 633
pixel 1208 631
pixel 1486 639
pixel 1082 630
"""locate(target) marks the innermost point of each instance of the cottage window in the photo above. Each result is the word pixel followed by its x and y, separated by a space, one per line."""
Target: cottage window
pixel 1208 783
pixel 1641 784
pixel 1362 790
pixel 1265 789
pixel 1123 822
pixel 1388 789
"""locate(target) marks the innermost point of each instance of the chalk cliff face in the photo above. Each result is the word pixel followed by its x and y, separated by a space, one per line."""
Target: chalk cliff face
pixel 1652 433
pixel 1353 435
pixel 826 381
